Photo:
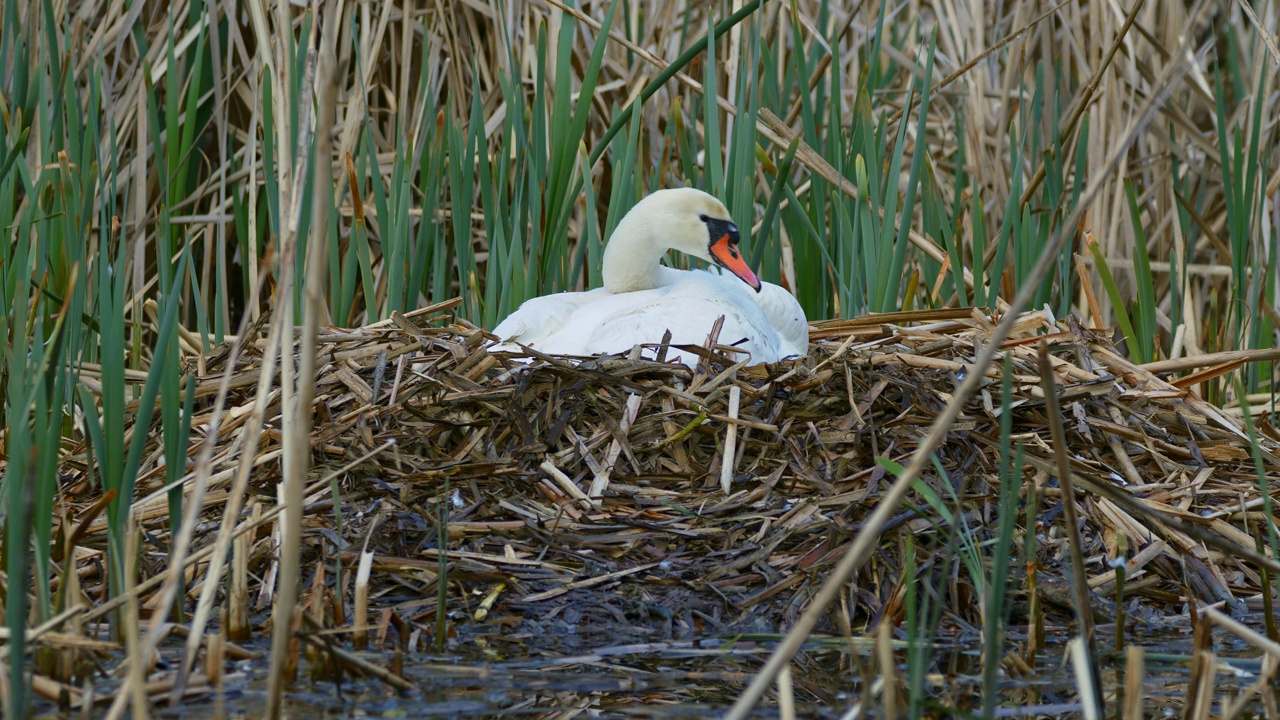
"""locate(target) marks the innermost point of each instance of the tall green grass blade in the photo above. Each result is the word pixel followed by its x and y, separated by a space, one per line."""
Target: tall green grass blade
pixel 912 622
pixel 815 238
pixel 1145 326
pixel 979 240
pixel 19 480
pixel 621 119
pixel 775 199
pixel 995 620
pixel 938 225
pixel 1008 229
pixel 891 277
pixel 270 177
pixel 562 191
pixel 430 239
pixel 14 152
pixel 361 254
pixel 1264 483
pixel 117 515
pixel 1117 302
pixel 381 216
pixel 592 240
pixel 623 190
pixel 875 77
pixel 712 165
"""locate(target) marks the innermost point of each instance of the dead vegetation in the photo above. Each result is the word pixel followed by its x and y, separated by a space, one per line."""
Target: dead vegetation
pixel 586 512
pixel 585 498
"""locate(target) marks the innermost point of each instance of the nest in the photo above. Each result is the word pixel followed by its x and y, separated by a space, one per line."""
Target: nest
pixel 589 501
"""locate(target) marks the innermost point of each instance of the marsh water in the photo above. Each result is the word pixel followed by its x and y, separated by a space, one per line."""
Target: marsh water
pixel 514 676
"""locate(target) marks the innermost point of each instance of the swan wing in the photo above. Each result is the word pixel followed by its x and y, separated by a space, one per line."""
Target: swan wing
pixel 540 319
pixel 782 312
pixel 687 305
pixel 786 316
pixel 689 320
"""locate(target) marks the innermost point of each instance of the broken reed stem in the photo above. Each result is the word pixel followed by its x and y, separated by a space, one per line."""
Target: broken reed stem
pixel 289 492
pixel 888 679
pixel 1079 576
pixel 1268 589
pixel 1119 566
pixel 134 691
pixel 442 569
pixel 317 600
pixel 360 611
pixel 731 440
pixel 1206 666
pixel 600 482
pixel 215 650
pixel 1086 683
pixel 1035 628
pixel 1133 683
pixel 238 627
pixel 564 482
pixel 1202 641
pixel 1122 546
pixel 360 623
pixel 786 695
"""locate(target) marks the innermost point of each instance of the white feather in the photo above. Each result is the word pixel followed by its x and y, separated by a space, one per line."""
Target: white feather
pixel 769 325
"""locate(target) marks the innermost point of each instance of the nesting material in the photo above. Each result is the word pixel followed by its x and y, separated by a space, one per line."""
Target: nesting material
pixel 720 497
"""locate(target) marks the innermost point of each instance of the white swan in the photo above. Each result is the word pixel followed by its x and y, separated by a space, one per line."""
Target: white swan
pixel 641 299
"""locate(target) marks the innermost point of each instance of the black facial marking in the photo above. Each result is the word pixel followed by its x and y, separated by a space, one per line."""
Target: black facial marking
pixel 717 228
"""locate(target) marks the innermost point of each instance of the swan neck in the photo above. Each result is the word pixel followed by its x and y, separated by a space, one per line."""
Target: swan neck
pixel 632 257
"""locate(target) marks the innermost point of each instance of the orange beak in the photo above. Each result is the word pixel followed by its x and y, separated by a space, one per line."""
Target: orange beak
pixel 726 253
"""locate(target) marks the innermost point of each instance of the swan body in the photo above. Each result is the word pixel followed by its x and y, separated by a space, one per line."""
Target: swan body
pixel 642 300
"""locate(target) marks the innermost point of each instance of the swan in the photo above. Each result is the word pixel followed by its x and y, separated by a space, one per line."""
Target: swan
pixel 642 299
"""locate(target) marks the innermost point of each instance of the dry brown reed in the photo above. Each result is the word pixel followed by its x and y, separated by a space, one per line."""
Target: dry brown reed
pixel 404 406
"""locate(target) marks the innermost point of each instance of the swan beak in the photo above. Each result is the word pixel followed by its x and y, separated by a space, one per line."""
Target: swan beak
pixel 725 251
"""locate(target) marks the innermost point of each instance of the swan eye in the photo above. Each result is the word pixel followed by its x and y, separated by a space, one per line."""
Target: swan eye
pixel 704 218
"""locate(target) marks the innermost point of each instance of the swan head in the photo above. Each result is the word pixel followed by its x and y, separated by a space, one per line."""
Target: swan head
pixel 698 224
